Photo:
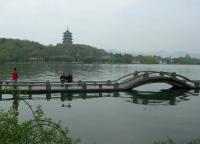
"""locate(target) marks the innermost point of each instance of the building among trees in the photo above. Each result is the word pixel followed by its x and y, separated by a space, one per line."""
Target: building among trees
pixel 67 37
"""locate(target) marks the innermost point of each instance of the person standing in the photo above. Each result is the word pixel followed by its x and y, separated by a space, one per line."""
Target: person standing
pixel 62 78
pixel 15 76
pixel 70 78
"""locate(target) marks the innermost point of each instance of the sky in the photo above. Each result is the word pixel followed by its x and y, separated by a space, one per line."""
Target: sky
pixel 121 25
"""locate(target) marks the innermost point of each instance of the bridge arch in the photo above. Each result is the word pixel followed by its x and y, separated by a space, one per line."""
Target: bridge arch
pixel 173 82
pixel 147 77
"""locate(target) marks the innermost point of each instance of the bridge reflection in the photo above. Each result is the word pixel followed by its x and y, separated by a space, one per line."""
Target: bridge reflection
pixel 163 97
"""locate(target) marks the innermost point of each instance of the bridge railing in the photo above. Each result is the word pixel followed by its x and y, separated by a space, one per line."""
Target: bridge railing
pixel 131 75
pixel 173 75
pixel 137 74
pixel 52 86
pixel 122 80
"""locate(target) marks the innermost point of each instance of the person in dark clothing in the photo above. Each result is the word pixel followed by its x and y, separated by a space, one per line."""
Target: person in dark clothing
pixel 69 78
pixel 62 78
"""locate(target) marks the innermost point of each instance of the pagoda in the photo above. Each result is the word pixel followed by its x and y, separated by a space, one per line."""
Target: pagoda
pixel 67 37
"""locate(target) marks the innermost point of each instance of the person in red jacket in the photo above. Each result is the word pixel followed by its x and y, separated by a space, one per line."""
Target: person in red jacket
pixel 15 76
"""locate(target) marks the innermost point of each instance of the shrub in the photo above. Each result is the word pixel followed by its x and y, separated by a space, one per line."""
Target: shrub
pixel 39 129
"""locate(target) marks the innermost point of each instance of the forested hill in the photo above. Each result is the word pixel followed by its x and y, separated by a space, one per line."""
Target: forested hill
pixel 15 50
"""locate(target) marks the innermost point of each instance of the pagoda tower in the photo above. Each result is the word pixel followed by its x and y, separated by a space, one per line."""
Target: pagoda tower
pixel 67 37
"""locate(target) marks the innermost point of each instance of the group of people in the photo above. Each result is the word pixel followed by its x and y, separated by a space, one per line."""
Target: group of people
pixel 64 78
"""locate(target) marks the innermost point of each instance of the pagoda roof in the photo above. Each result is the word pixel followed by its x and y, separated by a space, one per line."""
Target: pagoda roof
pixel 67 32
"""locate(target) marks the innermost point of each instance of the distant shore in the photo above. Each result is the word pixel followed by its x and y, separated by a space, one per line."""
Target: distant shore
pixel 17 51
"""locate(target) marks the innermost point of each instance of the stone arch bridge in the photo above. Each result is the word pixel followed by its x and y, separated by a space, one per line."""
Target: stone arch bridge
pixel 125 83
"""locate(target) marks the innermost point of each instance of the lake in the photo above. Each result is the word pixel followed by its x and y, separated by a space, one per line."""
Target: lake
pixel 146 114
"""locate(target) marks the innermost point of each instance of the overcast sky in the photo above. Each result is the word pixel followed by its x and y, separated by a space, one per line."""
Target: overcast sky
pixel 124 25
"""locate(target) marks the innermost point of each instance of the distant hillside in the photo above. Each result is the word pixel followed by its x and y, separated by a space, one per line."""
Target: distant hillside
pixel 15 50
pixel 165 53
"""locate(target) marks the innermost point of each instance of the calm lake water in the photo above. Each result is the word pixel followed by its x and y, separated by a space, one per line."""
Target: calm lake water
pixel 142 116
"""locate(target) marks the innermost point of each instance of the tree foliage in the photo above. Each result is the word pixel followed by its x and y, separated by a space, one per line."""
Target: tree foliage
pixel 37 130
pixel 171 141
pixel 14 50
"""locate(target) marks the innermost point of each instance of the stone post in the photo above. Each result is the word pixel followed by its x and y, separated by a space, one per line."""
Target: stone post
pixel 135 73
pixel 48 86
pixel 100 86
pixel 84 86
pixel 66 87
pixel 197 83
pixel 146 75
pixel 173 75
pixel 116 86
pixel 30 90
pixel 161 73
pixel 1 90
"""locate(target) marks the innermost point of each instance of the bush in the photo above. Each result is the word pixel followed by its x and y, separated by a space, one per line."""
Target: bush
pixel 37 130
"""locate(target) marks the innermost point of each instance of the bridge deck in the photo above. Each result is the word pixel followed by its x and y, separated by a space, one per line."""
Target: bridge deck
pixel 56 87
pixel 124 83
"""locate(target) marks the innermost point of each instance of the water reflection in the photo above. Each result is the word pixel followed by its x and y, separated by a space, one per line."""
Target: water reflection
pixel 15 104
pixel 163 97
pixel 70 96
